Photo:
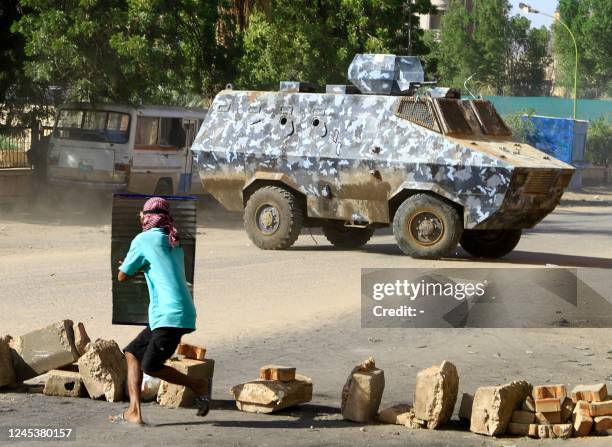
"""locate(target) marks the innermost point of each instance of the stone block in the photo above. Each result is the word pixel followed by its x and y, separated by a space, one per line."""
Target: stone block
pixel 104 370
pixel 174 396
pixel 562 431
pixel 548 418
pixel 582 421
pixel 533 431
pixel 545 431
pixel 603 425
pixel 600 408
pixel 493 407
pixel 567 408
pixel 591 393
pixel 401 414
pixel 64 384
pixel 7 371
pixel 548 405
pixel 268 396
pixel 548 391
pixel 362 392
pixel 436 393
pixel 277 372
pixel 45 349
pixel 191 351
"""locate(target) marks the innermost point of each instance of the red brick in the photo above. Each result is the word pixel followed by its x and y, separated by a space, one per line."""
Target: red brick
pixel 191 351
pixel 548 405
pixel 591 393
pixel 548 391
pixel 277 372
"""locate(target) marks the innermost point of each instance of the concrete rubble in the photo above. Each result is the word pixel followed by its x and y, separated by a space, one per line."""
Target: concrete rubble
pixel 174 396
pixel 45 349
pixel 7 371
pixel 493 407
pixel 401 414
pixel 81 339
pixel 362 392
pixel 436 393
pixel 64 384
pixel 277 372
pixel 104 370
pixel 268 396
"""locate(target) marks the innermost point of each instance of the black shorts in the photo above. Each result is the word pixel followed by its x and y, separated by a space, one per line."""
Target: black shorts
pixel 154 347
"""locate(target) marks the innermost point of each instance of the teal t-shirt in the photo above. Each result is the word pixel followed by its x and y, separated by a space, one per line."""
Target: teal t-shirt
pixel 170 304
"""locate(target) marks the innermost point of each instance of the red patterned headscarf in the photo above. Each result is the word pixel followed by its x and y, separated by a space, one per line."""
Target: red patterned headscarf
pixel 156 214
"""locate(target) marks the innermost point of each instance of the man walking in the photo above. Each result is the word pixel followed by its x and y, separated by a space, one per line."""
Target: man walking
pixel 158 253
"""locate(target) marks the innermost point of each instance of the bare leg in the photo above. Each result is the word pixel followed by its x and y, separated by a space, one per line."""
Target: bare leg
pixel 134 379
pixel 169 374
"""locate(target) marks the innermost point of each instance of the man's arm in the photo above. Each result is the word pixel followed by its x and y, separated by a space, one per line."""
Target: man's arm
pixel 133 262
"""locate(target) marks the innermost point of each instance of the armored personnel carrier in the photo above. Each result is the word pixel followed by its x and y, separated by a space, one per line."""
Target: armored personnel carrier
pixel 387 150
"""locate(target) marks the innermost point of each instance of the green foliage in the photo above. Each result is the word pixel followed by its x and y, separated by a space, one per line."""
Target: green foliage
pixel 591 24
pixel 599 142
pixel 315 41
pixel 521 125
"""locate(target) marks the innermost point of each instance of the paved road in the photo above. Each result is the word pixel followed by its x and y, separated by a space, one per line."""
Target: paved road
pixel 298 307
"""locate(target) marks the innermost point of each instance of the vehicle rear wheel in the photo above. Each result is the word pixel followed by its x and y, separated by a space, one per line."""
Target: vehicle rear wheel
pixel 490 243
pixel 426 227
pixel 273 218
pixel 164 187
pixel 344 237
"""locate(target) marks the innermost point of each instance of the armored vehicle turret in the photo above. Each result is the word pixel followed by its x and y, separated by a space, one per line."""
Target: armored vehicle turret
pixel 386 150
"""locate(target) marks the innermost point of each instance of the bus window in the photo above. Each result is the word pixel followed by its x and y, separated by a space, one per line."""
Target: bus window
pixel 146 131
pixel 93 125
pixel 166 132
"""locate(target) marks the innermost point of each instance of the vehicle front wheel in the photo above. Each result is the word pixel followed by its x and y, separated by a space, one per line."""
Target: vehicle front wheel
pixel 490 243
pixel 273 218
pixel 348 238
pixel 426 227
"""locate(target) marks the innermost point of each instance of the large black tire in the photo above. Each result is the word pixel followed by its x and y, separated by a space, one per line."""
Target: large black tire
pixel 273 218
pixel 164 187
pixel 426 227
pixel 347 238
pixel 490 243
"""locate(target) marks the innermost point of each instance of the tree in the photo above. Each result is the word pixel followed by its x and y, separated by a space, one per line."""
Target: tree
pixel 315 41
pixel 490 35
pixel 527 58
pixel 456 53
pixel 591 23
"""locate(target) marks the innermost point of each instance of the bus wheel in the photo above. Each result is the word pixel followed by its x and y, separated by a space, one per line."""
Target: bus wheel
pixel 273 218
pixel 490 243
pixel 164 187
pixel 426 227
pixel 347 238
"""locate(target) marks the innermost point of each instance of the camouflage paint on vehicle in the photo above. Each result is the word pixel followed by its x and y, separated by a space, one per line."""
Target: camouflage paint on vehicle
pixel 350 155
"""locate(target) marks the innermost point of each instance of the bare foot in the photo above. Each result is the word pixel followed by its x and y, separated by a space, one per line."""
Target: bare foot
pixel 127 417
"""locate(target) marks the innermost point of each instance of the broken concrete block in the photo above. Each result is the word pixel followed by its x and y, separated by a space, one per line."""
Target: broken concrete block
pixel 45 349
pixel 104 370
pixel 562 431
pixel 548 405
pixel 582 421
pixel 191 351
pixel 7 372
pixel 523 417
pixel 64 383
pixel 465 408
pixel 529 404
pixel 362 392
pixel 401 414
pixel 277 372
pixel 267 396
pixel 603 425
pixel 517 428
pixel 548 418
pixel 533 431
pixel 600 408
pixel 174 396
pixel 493 407
pixel 591 393
pixel 545 431
pixel 81 339
pixel 548 391
pixel 436 393
pixel 567 408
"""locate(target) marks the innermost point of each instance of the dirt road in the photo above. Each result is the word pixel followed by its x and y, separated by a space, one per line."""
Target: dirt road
pixel 299 307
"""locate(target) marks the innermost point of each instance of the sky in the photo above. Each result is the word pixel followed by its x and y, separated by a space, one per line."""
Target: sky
pixel 537 20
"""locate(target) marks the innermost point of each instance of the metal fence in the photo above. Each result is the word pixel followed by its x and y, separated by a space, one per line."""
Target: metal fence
pixel 15 142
